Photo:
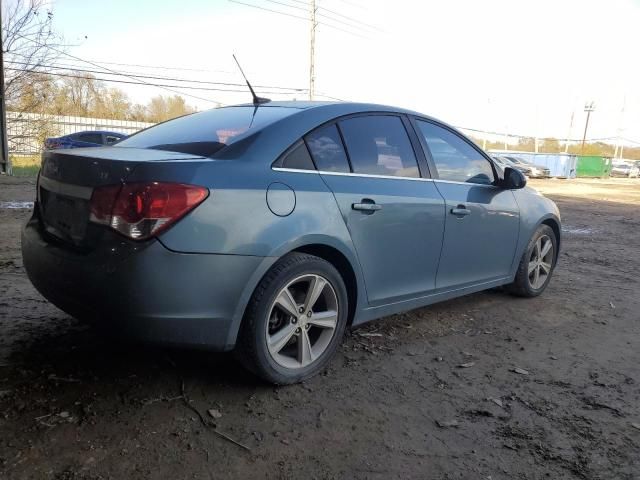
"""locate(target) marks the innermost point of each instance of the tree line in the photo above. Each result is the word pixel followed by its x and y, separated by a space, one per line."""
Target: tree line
pixel 84 96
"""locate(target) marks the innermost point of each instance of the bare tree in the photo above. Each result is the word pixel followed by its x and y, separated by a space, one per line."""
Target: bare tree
pixel 30 48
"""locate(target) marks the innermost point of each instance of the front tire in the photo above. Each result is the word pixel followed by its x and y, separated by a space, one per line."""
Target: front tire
pixel 536 265
pixel 294 321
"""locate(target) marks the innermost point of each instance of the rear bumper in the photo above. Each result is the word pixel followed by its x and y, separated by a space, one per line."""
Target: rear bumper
pixel 144 290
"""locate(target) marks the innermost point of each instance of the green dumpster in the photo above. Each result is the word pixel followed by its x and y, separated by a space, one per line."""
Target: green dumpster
pixel 593 166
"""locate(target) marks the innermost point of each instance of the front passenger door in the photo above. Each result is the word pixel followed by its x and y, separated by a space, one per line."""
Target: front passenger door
pixel 482 220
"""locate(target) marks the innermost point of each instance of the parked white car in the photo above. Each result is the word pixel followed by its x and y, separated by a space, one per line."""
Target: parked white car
pixel 622 168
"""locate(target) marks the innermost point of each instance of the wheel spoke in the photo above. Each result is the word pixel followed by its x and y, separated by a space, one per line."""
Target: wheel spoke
pixel 305 355
pixel 546 248
pixel 538 247
pixel 287 303
pixel 316 286
pixel 532 266
pixel 536 276
pixel 328 319
pixel 278 340
pixel 546 267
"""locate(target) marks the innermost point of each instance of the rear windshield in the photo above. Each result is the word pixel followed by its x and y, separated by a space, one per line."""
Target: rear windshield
pixel 205 133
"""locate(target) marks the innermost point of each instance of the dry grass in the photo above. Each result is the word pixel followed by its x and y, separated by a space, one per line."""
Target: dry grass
pixel 25 166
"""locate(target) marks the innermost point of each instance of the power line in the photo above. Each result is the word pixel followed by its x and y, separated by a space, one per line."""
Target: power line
pixel 289 5
pixel 133 75
pixel 362 29
pixel 349 18
pixel 113 71
pixel 160 85
pixel 157 67
pixel 295 16
pixel 514 135
pixel 306 8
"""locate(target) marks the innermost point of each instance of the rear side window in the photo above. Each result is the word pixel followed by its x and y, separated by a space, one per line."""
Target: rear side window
pixel 326 149
pixel 456 160
pixel 298 158
pixel 379 145
pixel 205 133
pixel 90 137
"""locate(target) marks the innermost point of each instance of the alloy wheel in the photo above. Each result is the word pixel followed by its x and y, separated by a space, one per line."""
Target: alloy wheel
pixel 540 262
pixel 302 321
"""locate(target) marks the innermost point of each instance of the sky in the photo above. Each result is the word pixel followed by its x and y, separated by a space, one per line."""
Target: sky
pixel 515 66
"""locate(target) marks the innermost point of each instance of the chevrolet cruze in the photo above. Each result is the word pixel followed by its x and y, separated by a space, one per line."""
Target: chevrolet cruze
pixel 268 229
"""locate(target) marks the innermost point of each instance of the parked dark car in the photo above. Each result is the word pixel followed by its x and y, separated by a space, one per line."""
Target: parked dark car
pixel 92 138
pixel 270 229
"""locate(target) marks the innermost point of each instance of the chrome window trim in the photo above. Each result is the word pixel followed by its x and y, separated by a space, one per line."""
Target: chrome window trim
pixel 293 170
pixel 465 183
pixel 366 175
pixel 349 174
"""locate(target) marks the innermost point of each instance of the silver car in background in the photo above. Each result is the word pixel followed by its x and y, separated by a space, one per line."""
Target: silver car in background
pixel 622 168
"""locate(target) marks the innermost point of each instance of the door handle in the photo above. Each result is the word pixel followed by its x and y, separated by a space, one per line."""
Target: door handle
pixel 367 205
pixel 460 211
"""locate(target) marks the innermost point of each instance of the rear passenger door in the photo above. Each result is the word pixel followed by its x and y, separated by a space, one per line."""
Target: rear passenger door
pixel 395 217
pixel 482 220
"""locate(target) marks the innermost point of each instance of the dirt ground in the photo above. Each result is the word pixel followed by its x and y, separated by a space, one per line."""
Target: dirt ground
pixel 395 403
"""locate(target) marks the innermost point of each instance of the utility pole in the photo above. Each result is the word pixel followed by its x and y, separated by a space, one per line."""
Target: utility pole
pixel 535 139
pixel 620 128
pixel 312 51
pixel 5 164
pixel 566 145
pixel 588 107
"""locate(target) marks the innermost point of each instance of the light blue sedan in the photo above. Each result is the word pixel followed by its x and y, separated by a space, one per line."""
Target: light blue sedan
pixel 268 229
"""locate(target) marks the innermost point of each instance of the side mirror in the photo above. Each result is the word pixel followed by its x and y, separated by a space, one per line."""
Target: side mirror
pixel 513 179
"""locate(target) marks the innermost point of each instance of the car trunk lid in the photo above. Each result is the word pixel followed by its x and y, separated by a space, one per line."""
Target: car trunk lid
pixel 69 177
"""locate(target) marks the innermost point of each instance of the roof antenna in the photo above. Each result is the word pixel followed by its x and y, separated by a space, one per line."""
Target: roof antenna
pixel 256 99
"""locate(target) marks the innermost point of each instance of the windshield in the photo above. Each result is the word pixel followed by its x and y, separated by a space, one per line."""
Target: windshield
pixel 205 133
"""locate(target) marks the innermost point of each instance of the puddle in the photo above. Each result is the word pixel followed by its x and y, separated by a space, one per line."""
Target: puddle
pixel 17 205
pixel 578 230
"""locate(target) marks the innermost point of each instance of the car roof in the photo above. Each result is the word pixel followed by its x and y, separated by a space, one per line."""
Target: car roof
pixel 333 106
pixel 307 116
pixel 104 132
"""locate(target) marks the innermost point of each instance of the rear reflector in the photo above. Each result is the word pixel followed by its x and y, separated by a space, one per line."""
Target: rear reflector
pixel 141 210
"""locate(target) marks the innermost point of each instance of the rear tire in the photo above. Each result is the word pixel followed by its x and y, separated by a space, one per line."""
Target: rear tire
pixel 294 321
pixel 536 265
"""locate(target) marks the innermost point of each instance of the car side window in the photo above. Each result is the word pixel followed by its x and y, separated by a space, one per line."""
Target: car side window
pixel 325 146
pixel 379 145
pixel 90 138
pixel 110 139
pixel 456 160
pixel 298 158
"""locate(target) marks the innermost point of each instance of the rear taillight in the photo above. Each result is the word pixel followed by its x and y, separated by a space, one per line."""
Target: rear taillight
pixel 141 210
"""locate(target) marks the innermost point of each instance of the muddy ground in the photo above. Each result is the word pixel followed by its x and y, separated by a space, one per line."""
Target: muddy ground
pixel 395 403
